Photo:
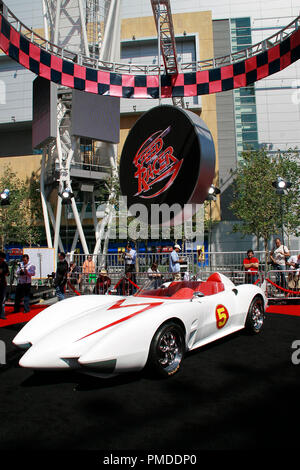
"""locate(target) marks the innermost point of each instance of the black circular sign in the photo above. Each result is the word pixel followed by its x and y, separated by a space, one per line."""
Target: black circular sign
pixel 168 158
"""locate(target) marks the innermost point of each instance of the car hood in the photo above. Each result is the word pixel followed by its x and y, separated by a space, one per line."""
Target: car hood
pixel 83 316
pixel 70 334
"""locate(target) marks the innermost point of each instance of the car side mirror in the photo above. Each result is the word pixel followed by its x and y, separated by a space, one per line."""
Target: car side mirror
pixel 197 295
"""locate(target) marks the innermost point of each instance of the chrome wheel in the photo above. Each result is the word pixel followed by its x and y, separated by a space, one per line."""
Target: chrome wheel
pixel 170 351
pixel 167 349
pixel 256 315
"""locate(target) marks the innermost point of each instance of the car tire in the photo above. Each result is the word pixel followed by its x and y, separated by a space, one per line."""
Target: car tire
pixel 167 350
pixel 256 315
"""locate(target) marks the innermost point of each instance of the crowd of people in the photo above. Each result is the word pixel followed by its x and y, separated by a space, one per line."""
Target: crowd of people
pixel 87 279
pixel 281 262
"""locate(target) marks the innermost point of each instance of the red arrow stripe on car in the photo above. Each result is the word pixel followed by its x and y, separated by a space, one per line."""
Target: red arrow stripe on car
pixel 119 304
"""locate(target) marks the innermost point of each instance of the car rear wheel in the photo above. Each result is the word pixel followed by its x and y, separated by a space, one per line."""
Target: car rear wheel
pixel 167 350
pixel 256 316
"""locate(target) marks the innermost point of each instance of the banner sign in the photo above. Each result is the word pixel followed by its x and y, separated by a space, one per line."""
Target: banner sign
pixel 168 158
pixel 67 73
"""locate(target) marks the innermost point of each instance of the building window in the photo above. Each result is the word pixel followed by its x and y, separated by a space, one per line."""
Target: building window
pixel 244 98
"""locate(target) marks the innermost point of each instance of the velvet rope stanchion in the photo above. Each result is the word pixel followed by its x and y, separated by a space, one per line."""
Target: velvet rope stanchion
pixel 118 283
pixel 282 288
pixel 73 288
pixel 135 285
pixel 122 279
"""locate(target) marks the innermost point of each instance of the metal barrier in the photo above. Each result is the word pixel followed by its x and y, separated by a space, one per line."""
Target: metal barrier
pixel 278 285
pixel 115 262
pixel 283 284
pixel 84 279
pixel 128 284
pixel 230 260
pixel 211 261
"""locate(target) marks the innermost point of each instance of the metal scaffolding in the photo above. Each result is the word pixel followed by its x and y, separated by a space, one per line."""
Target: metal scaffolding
pixel 166 41
pixel 164 23
pixel 89 27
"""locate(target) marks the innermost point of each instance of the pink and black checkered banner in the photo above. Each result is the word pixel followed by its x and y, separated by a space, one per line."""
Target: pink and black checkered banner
pixel 215 80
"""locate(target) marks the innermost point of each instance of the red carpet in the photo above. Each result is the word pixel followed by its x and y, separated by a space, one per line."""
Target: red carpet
pixel 284 309
pixel 15 318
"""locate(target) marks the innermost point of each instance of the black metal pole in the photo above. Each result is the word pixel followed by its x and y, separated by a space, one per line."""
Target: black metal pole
pixel 281 213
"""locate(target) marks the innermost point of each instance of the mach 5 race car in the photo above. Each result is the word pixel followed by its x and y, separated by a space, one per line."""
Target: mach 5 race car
pixel 106 335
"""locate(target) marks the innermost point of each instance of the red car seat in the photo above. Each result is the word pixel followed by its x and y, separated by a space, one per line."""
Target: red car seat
pixel 213 285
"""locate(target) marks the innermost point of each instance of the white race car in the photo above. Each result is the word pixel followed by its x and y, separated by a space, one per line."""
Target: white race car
pixel 106 335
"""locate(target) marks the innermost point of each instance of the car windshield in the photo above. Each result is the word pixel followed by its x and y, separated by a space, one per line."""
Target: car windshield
pixel 168 289
pixel 150 285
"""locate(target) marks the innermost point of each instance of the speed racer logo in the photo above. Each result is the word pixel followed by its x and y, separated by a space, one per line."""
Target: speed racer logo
pixel 154 164
pixel 222 316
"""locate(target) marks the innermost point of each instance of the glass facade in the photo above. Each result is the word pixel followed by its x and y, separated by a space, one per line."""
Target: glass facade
pixel 244 98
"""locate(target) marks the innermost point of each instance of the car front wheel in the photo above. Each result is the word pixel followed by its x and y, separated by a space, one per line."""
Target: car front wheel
pixel 256 316
pixel 167 350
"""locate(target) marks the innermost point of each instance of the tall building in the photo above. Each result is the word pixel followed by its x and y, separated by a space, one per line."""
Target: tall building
pixel 266 113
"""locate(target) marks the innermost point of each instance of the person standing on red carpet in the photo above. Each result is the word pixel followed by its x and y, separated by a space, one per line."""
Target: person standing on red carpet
pixel 251 264
pixel 61 276
pixel 278 256
pixel 24 272
pixel 3 284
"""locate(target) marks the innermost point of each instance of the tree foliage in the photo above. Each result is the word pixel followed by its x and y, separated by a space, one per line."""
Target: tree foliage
pixel 20 221
pixel 255 201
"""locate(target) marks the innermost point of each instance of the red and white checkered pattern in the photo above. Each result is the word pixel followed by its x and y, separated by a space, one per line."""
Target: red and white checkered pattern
pixel 72 75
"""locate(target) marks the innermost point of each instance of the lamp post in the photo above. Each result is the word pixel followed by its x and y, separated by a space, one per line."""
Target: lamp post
pixel 4 201
pixel 66 196
pixel 281 185
pixel 211 196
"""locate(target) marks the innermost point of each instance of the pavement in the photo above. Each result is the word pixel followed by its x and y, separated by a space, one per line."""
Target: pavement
pixel 238 394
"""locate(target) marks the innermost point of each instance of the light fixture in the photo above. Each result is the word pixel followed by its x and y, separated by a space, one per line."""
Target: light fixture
pixel 66 196
pixel 4 197
pixel 212 193
pixel 281 185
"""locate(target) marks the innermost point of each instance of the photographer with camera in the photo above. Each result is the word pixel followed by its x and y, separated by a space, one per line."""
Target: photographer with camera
pixel 24 272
